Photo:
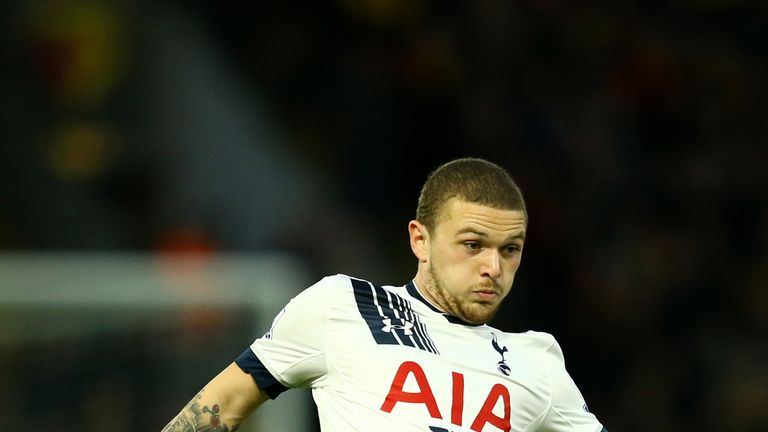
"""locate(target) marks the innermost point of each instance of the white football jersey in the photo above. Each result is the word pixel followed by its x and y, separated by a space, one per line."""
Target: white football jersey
pixel 385 359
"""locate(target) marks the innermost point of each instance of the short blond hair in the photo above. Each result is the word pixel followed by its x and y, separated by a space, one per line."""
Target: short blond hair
pixel 469 179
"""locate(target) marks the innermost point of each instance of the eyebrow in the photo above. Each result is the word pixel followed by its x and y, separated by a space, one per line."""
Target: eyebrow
pixel 519 236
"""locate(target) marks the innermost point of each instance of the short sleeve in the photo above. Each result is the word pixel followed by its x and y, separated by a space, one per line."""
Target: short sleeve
pixel 568 411
pixel 293 350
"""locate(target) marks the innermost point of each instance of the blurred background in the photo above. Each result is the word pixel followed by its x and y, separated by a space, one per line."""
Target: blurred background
pixel 136 130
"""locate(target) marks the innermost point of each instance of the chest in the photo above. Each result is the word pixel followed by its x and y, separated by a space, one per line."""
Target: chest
pixel 453 377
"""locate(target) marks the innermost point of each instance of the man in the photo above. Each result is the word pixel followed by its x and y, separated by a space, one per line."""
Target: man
pixel 417 357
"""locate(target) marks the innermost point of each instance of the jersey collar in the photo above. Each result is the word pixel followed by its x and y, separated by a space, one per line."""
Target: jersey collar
pixel 413 290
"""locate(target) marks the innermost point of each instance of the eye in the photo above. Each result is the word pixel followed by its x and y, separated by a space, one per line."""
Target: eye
pixel 512 248
pixel 472 245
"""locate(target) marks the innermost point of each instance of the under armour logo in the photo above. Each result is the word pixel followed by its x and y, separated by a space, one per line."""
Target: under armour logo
pixel 406 326
pixel 502 365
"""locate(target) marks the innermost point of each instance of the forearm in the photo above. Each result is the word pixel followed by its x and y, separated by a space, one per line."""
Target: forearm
pixel 221 406
pixel 203 415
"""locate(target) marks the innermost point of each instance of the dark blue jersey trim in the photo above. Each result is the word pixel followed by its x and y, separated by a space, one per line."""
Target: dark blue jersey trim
pixel 414 292
pixel 457 320
pixel 251 364
pixel 390 318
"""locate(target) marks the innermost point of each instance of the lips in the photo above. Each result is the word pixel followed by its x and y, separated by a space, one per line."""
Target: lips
pixel 486 294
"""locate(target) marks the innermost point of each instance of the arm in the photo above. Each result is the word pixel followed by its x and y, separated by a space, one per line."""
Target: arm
pixel 293 346
pixel 222 405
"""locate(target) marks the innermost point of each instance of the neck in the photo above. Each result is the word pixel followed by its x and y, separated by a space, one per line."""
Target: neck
pixel 425 285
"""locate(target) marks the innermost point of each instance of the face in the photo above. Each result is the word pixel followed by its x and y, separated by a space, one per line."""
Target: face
pixel 468 262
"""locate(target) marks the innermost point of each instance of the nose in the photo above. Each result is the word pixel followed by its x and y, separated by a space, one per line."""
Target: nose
pixel 491 267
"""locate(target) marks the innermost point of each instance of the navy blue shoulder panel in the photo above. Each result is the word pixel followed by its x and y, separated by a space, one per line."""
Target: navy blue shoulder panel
pixel 390 317
pixel 251 364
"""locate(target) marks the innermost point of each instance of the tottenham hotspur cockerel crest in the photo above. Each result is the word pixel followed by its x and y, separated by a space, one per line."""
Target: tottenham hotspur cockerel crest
pixel 502 364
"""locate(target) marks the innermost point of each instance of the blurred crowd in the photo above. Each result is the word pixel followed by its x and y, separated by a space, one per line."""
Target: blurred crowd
pixel 635 130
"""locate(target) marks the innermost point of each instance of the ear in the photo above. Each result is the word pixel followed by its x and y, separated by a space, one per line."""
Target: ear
pixel 419 237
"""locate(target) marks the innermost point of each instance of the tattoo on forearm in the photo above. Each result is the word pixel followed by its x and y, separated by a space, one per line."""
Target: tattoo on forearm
pixel 194 418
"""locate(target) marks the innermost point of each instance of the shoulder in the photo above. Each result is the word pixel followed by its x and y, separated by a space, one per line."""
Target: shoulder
pixel 538 344
pixel 534 340
pixel 317 296
pixel 329 283
pixel 337 280
pixel 339 286
pixel 314 303
pixel 552 348
pixel 341 280
pixel 358 285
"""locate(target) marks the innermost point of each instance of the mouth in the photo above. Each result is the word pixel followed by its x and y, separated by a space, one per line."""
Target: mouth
pixel 486 295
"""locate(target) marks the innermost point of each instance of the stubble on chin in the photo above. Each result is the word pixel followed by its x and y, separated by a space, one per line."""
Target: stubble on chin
pixel 467 310
pixel 476 312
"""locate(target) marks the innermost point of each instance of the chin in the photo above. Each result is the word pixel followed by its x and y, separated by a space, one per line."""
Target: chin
pixel 479 317
pixel 479 321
